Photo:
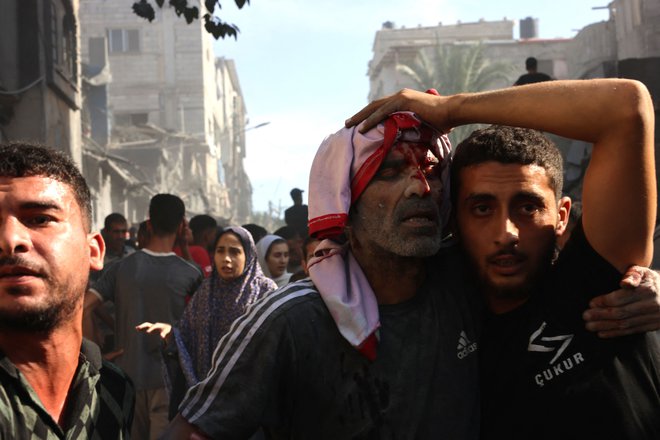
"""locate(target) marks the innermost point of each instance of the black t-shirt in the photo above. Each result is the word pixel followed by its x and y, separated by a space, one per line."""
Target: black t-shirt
pixel 296 217
pixel 545 376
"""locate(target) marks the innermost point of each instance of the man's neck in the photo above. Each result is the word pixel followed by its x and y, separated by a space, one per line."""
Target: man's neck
pixel 499 306
pixel 504 301
pixel 161 243
pixel 393 278
pixel 47 360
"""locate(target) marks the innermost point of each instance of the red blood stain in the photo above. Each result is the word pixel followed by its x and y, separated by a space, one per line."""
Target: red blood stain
pixel 417 156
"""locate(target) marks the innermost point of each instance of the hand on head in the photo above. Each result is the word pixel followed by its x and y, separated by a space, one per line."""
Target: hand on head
pixel 427 106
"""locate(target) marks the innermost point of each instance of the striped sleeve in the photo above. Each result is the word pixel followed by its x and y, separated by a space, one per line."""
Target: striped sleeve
pixel 247 375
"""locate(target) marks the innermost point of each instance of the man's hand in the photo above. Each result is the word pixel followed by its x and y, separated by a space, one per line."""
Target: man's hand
pixel 635 308
pixel 431 108
pixel 161 328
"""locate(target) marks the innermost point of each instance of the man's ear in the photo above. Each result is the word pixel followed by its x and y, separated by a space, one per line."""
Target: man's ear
pixel 563 211
pixel 96 250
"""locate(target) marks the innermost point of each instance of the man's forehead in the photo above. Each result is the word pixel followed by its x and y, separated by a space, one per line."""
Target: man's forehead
pixel 491 177
pixel 36 187
pixel 494 169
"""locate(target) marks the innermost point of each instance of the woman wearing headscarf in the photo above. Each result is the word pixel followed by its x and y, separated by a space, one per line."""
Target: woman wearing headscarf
pixel 273 253
pixel 236 282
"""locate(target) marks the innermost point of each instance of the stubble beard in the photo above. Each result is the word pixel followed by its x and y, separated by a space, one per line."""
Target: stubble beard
pixel 384 233
pixel 58 307
pixel 43 317
pixel 525 288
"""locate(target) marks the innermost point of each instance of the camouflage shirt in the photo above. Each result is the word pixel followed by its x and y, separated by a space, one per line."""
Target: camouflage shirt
pixel 99 406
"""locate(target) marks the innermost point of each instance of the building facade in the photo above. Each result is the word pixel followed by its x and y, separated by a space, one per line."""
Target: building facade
pixel 40 89
pixel 395 46
pixel 626 45
pixel 164 108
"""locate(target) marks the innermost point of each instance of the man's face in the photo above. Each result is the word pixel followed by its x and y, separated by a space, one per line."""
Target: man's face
pixel 399 211
pixel 508 221
pixel 116 236
pixel 45 253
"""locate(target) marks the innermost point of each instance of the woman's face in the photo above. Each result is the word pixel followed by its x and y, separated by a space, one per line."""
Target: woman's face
pixel 277 259
pixel 229 257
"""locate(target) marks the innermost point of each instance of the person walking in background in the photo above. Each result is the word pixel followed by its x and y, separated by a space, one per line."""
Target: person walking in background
pixel 204 230
pixel 185 248
pixel 273 255
pixel 115 232
pixel 149 285
pixel 296 215
pixel 295 242
pixel 235 284
pixel 532 75
pixel 53 383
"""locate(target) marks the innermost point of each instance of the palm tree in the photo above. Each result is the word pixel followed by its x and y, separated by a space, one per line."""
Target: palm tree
pixel 452 68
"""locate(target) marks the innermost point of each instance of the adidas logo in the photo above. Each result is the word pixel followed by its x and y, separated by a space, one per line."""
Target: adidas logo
pixel 465 347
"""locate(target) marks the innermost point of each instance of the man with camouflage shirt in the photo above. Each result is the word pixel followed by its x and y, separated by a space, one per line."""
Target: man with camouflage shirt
pixel 53 384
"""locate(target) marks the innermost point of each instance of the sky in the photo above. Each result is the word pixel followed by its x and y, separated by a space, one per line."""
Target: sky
pixel 302 66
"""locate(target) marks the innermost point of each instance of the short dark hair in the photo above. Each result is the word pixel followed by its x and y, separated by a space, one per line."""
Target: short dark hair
pixel 258 232
pixel 200 223
pixel 531 63
pixel 166 212
pixel 24 159
pixel 499 143
pixel 287 232
pixel 112 219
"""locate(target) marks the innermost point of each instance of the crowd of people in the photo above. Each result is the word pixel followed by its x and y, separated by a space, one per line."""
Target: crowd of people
pixel 429 292
pixel 186 281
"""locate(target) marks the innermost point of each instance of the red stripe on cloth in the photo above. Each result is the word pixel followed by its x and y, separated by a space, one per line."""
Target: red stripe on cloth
pixel 368 169
pixel 327 226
